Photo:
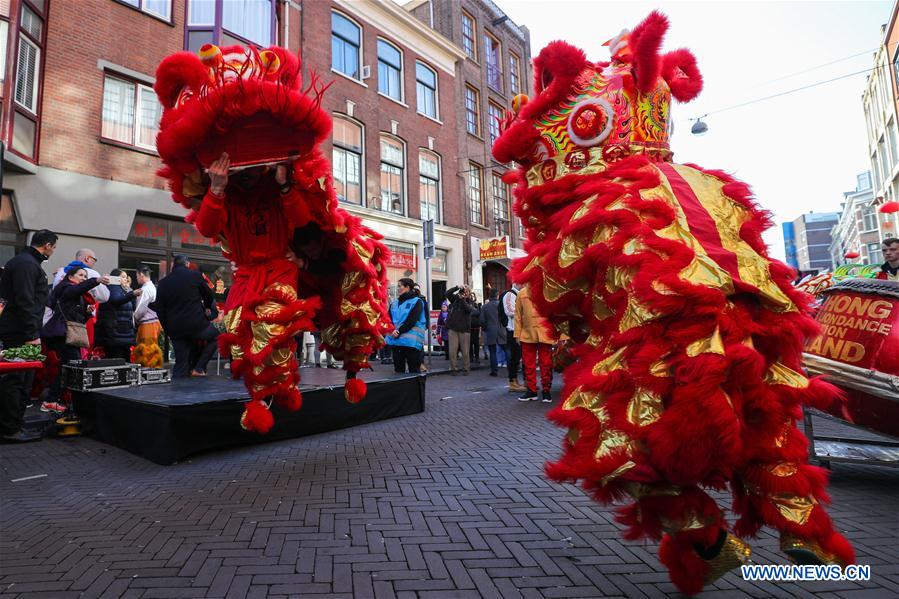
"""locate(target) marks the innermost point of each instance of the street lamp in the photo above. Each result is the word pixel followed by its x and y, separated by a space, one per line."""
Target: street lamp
pixel 699 127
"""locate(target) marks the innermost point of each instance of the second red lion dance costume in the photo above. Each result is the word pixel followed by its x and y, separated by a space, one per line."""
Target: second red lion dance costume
pixel 243 108
pixel 687 337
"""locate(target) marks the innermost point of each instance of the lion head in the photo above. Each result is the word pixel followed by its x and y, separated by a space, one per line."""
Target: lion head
pixel 620 107
pixel 245 102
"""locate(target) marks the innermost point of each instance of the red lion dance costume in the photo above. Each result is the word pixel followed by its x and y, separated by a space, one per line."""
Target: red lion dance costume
pixel 251 105
pixel 686 336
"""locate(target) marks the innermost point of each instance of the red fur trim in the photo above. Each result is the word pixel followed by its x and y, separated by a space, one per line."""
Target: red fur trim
pixel 177 71
pixel 257 417
pixel 645 42
pixel 679 69
pixel 686 569
pixel 354 390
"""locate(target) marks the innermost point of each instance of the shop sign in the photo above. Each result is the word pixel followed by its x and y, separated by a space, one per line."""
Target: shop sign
pixel 401 257
pixel 494 248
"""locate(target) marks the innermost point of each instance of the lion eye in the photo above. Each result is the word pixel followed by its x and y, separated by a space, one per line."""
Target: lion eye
pixel 546 79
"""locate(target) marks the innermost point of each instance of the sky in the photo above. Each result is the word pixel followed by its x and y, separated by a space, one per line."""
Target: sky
pixel 798 152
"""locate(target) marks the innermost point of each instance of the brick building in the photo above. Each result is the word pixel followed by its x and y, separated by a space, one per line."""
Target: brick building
pixel 393 101
pixel 496 68
pixel 79 121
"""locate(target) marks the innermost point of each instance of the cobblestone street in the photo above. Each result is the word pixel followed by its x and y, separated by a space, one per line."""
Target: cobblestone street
pixel 448 503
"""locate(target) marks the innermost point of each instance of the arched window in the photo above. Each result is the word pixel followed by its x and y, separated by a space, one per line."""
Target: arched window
pixel 347 159
pixel 390 70
pixel 346 41
pixel 393 176
pixel 429 185
pixel 426 89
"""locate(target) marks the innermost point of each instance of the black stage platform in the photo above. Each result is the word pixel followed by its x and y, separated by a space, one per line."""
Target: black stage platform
pixel 167 422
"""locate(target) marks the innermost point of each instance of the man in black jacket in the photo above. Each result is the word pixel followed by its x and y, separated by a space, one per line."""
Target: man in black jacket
pixel 458 322
pixel 185 306
pixel 24 287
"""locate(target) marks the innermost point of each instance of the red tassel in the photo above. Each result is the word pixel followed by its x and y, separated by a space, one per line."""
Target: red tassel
pixel 355 390
pixel 257 417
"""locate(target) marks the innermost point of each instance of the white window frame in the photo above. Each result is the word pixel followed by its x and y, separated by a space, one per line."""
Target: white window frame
pixel 359 56
pixel 138 111
pixel 404 188
pixel 36 79
pixel 140 6
pixel 361 126
pixel 4 34
pixel 402 97
pixel 436 115
pixel 438 218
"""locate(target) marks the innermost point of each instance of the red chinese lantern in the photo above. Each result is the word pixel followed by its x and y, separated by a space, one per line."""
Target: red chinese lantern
pixel 889 207
pixel 852 255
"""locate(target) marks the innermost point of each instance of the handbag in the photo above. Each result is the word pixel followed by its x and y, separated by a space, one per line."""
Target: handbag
pixel 76 332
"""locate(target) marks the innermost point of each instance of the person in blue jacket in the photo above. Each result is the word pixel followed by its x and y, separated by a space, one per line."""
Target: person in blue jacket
pixel 409 316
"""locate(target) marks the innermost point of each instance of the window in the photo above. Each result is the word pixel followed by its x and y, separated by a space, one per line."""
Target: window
pixel 426 89
pixel 390 70
pixel 475 194
pixel 494 115
pixel 493 52
pixel 4 32
pixel 159 8
pixel 884 160
pixel 514 75
pixel 26 87
pixel 875 253
pixel 429 186
pixel 468 36
pixel 347 160
pixel 472 111
pixel 131 112
pixel 27 71
pixel 346 39
pixel 229 22
pixel 500 206
pixel 392 176
pixel 891 132
pixel 869 218
pixel 522 234
pixel 896 64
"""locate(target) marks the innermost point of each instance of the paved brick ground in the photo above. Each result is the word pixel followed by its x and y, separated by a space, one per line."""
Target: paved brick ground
pixel 449 503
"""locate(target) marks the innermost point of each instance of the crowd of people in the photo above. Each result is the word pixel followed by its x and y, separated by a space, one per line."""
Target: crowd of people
pixel 82 314
pixel 506 326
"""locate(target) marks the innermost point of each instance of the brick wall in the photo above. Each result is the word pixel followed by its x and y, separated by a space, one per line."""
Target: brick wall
pixel 81 32
pixel 375 112
pixel 448 20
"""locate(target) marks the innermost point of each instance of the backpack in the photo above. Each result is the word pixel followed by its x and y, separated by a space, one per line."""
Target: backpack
pixel 501 312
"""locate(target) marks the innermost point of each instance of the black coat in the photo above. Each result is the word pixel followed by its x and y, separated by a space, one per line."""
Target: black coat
pixel 182 299
pixel 460 311
pixel 115 319
pixel 68 305
pixel 25 289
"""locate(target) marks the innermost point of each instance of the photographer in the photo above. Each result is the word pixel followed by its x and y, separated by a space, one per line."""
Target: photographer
pixel 459 324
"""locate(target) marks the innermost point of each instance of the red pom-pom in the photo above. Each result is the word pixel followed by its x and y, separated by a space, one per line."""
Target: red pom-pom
pixel 355 390
pixel 257 417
